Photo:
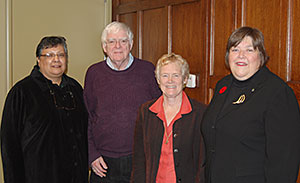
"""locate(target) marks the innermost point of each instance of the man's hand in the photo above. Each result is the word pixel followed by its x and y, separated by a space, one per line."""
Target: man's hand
pixel 99 167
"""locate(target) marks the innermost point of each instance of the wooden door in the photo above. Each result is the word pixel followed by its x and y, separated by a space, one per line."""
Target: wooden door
pixel 198 30
pixel 165 26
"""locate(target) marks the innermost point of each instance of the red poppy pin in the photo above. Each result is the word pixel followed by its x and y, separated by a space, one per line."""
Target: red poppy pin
pixel 222 90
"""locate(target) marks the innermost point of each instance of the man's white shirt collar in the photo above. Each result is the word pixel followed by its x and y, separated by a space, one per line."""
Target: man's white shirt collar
pixel 110 64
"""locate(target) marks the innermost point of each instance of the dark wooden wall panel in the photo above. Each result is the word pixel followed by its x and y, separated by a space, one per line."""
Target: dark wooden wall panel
pixel 198 30
pixel 280 25
pixel 126 1
pixel 270 17
pixel 295 42
pixel 194 52
pixel 294 39
pixel 222 21
pixel 154 34
pixel 131 20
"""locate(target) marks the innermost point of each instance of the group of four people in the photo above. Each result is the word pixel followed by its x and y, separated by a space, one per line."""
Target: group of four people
pixel 126 129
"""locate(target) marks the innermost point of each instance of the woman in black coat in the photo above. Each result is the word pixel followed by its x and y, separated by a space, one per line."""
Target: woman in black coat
pixel 251 128
pixel 44 122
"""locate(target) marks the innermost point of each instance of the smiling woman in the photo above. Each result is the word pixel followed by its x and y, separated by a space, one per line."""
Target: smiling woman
pixel 244 59
pixel 53 67
pixel 167 131
pixel 52 58
pixel 171 81
pixel 251 127
pixel 44 122
pixel 21 30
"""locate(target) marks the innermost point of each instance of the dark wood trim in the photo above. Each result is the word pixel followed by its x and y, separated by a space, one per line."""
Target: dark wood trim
pixel 140 34
pixel 146 5
pixel 170 29
pixel 212 37
pixel 289 41
pixel 207 56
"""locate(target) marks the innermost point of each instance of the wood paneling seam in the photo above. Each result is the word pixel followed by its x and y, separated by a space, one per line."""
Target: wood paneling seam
pixel 169 29
pixel 289 42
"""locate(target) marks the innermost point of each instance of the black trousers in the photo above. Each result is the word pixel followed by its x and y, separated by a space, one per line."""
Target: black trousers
pixel 119 170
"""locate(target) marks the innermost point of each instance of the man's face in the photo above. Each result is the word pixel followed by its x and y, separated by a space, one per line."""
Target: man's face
pixel 117 46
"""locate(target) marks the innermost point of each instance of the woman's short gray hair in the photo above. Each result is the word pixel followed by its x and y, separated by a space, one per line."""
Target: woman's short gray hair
pixel 173 58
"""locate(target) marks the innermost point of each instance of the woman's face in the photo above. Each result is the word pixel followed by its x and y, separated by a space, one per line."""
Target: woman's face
pixel 53 63
pixel 171 80
pixel 244 60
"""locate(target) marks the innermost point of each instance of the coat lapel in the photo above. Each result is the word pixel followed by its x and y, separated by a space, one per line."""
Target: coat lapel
pixel 219 97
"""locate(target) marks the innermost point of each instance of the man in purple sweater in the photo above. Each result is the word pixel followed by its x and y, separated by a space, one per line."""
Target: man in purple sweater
pixel 114 90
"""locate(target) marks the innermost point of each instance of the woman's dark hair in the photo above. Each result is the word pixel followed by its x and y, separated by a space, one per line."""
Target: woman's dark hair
pixel 257 41
pixel 50 42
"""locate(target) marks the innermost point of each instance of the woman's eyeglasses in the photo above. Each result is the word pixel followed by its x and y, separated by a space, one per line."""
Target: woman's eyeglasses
pixel 53 55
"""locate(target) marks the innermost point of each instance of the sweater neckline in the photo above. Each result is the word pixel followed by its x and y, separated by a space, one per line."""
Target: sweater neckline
pixel 112 71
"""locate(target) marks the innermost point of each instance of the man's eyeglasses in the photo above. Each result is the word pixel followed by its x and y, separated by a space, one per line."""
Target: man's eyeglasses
pixel 53 55
pixel 113 42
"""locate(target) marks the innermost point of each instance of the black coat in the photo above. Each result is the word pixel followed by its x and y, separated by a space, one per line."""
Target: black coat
pixel 41 143
pixel 256 141
pixel 149 132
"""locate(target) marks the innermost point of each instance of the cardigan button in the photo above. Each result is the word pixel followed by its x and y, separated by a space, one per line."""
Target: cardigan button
pixel 175 135
pixel 175 150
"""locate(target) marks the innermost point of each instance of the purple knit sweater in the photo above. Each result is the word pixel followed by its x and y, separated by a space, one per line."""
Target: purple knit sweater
pixel 112 99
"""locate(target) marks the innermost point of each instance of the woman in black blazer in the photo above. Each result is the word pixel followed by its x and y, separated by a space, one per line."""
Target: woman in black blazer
pixel 251 128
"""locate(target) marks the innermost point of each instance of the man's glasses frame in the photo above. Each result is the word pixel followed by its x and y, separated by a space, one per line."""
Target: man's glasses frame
pixel 113 42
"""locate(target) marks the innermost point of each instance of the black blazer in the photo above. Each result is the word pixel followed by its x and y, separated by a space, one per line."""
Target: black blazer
pixel 149 131
pixel 257 140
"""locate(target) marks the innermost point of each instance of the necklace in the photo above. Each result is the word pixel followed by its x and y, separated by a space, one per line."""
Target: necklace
pixel 70 105
pixel 167 136
pixel 165 124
